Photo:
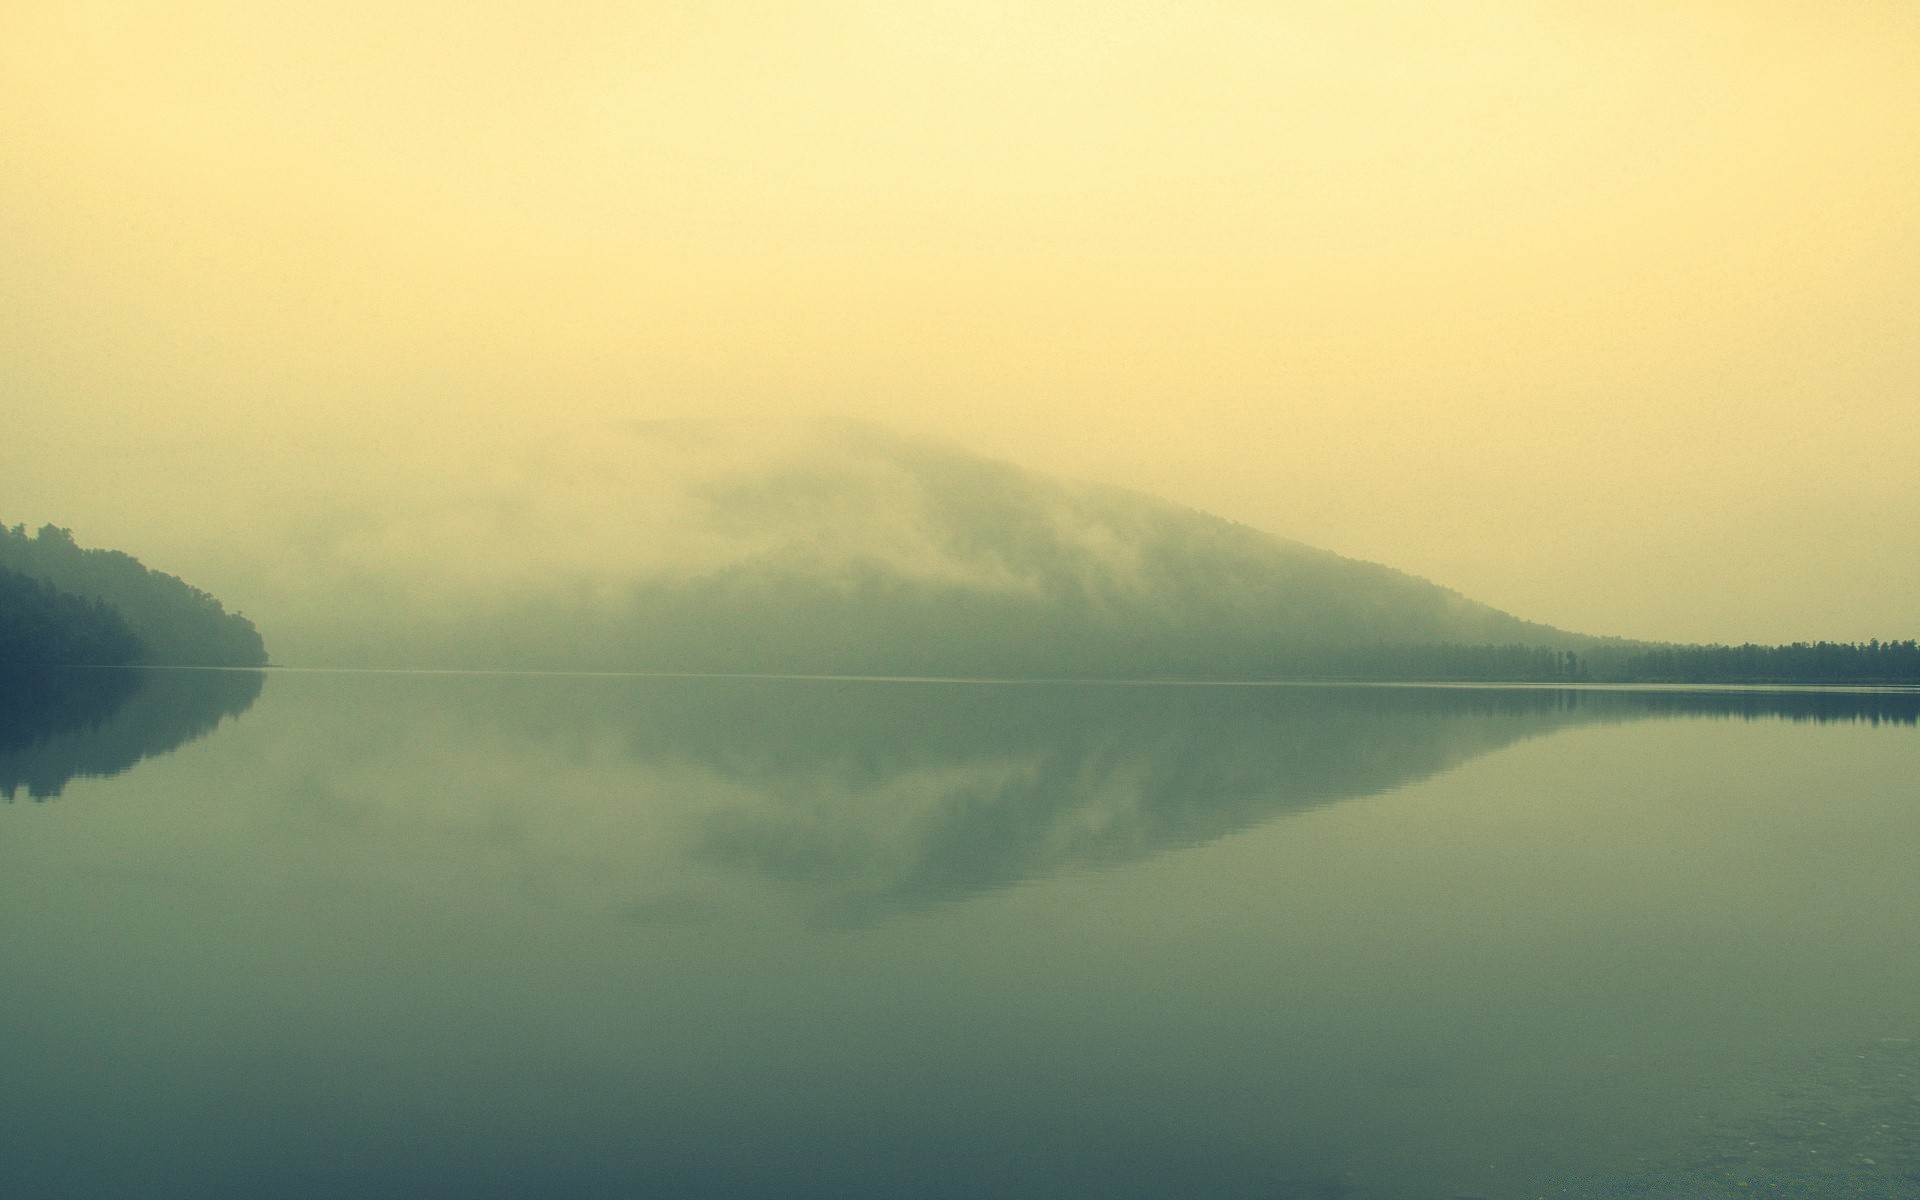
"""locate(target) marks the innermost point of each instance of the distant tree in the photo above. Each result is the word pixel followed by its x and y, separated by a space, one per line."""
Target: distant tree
pixel 1871 662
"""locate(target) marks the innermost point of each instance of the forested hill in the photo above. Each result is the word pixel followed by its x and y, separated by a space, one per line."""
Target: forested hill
pixel 173 622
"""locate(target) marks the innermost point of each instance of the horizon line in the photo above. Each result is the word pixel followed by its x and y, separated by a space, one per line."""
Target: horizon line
pixel 984 680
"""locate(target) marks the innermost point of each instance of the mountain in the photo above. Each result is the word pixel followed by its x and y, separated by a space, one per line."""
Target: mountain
pixel 845 549
pixel 995 570
pixel 172 622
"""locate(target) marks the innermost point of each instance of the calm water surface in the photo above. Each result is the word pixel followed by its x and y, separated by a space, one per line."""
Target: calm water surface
pixel 426 936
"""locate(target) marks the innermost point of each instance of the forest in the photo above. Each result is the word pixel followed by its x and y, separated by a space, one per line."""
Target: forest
pixel 67 604
pixel 41 626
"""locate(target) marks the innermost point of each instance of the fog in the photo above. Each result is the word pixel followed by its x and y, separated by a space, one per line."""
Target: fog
pixel 1602 315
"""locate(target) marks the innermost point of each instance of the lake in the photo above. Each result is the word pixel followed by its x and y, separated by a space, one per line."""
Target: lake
pixel 412 935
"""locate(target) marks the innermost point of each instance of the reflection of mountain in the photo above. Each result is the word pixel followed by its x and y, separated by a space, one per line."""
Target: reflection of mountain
pixel 56 725
pixel 872 798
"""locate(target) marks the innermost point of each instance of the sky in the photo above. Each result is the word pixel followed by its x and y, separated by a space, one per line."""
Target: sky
pixel 1607 314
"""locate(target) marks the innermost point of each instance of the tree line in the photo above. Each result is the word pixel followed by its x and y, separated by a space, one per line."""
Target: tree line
pixel 1871 662
pixel 1830 663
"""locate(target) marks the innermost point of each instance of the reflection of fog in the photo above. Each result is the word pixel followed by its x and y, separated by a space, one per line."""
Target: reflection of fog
pixel 874 798
pixel 56 725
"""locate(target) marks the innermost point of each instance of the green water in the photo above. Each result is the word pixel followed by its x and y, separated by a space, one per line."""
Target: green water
pixel 425 936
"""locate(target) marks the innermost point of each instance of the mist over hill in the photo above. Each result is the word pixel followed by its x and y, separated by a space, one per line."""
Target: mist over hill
pixel 845 549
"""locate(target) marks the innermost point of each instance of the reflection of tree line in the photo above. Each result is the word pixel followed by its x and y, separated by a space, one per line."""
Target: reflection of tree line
pixel 57 725
pixel 1875 707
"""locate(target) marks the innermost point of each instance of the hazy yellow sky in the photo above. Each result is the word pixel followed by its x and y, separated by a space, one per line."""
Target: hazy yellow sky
pixel 1606 313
